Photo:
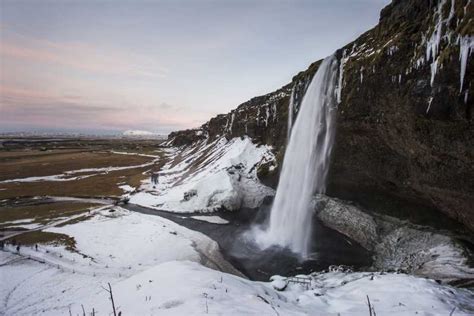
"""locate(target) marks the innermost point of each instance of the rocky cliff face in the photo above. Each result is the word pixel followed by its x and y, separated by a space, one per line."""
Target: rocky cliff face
pixel 405 140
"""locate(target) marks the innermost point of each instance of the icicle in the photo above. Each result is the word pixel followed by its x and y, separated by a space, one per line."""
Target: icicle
pixel 466 46
pixel 361 74
pixel 392 50
pixel 434 70
pixel 432 46
pixel 466 94
pixel 420 62
pixel 451 12
pixel 274 112
pixel 429 105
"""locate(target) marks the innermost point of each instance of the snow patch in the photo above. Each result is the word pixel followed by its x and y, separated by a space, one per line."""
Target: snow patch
pixel 211 219
pixel 221 175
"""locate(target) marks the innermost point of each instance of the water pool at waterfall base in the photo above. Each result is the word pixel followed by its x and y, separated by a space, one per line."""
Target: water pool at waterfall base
pixel 240 248
pixel 327 247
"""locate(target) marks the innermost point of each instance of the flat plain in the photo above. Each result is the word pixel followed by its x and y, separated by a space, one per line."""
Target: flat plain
pixel 49 182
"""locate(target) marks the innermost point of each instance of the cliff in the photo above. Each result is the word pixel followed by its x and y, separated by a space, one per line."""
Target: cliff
pixel 405 140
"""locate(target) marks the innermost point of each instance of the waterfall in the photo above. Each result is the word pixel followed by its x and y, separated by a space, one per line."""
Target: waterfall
pixel 305 165
pixel 290 112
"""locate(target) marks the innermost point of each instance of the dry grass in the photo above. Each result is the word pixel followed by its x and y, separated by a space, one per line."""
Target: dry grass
pixel 22 164
pixel 104 185
pixel 36 163
pixel 40 237
pixel 41 213
pixel 95 186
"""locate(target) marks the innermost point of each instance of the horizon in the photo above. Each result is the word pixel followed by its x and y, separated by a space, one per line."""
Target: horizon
pixel 158 66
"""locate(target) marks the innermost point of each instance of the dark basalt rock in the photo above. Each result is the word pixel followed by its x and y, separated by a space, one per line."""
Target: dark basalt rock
pixel 403 147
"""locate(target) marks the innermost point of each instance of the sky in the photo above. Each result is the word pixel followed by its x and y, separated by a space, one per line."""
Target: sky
pixel 105 66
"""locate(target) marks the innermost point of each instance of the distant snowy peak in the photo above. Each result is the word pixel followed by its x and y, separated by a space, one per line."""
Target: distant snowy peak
pixel 141 134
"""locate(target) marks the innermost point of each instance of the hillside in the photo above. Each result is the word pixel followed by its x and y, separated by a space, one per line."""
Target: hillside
pixel 404 142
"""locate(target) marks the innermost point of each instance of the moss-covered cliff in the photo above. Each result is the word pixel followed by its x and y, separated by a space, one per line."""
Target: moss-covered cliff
pixel 405 140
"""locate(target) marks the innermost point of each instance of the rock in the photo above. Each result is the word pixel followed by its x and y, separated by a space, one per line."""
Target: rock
pixel 403 147
pixel 348 220
pixel 423 253
pixel 189 194
pixel 397 245
pixel 279 283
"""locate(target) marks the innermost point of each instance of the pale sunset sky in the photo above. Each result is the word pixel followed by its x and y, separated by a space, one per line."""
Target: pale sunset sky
pixel 103 66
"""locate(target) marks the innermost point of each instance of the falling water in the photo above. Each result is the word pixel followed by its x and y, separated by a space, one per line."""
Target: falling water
pixel 305 165
pixel 290 112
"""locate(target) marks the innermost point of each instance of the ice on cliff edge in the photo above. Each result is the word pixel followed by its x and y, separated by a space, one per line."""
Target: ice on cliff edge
pixel 221 174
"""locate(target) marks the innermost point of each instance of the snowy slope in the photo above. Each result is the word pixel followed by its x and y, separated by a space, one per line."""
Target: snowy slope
pixel 221 174
pixel 186 288
pixel 111 246
pixel 137 254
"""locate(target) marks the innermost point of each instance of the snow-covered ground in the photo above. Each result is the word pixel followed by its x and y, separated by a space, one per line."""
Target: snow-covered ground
pixel 111 246
pixel 187 288
pixel 157 267
pixel 215 175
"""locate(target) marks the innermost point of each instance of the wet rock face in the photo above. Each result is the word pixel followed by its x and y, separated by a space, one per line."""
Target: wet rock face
pixel 399 134
pixel 348 220
pixel 404 141
pixel 397 245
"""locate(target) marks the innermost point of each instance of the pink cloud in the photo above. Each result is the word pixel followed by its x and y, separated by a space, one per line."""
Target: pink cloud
pixel 80 56
pixel 32 97
pixel 44 109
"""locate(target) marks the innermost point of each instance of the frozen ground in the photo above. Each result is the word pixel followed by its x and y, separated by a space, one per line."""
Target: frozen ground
pixel 187 288
pixel 110 247
pixel 218 175
pixel 156 267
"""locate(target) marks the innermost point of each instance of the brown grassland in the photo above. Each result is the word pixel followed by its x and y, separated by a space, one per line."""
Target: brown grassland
pixel 33 158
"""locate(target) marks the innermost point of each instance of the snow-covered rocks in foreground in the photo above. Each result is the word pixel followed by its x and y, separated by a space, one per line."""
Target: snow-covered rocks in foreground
pixel 187 288
pixel 205 177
